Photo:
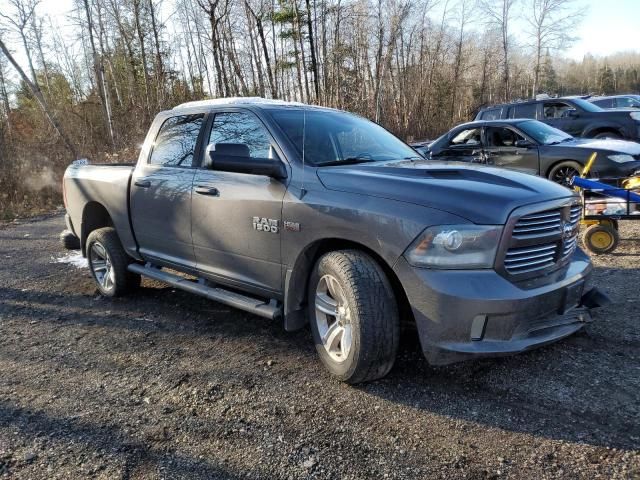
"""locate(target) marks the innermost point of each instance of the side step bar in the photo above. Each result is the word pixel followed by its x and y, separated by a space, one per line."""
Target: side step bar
pixel 253 305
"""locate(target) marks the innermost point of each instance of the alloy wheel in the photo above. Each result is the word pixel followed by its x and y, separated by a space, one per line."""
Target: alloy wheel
pixel 333 318
pixel 101 266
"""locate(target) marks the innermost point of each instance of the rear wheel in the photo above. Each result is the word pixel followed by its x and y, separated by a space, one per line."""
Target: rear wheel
pixel 612 135
pixel 354 316
pixel 69 240
pixel 563 172
pixel 601 239
pixel 108 263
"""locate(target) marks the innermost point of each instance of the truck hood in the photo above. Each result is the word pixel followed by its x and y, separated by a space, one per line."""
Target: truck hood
pixel 482 195
pixel 619 146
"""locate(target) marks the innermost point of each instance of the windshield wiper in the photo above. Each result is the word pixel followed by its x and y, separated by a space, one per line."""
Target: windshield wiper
pixel 347 161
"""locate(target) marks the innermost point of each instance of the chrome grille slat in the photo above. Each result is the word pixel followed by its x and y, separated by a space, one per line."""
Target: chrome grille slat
pixel 523 251
pixel 547 254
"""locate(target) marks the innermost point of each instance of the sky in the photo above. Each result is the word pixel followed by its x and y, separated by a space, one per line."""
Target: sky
pixel 609 26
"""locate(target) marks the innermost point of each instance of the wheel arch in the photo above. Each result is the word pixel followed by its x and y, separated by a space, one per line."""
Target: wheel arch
pixel 295 298
pixel 94 216
pixel 595 130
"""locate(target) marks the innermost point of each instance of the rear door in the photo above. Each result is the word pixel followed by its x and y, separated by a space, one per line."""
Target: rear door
pixel 463 146
pixel 161 192
pixel 501 150
pixel 237 217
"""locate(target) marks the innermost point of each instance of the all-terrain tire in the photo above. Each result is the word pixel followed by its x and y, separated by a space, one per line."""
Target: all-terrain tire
pixel 374 317
pixel 120 281
pixel 69 241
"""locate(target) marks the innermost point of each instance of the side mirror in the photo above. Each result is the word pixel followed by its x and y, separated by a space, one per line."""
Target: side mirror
pixel 572 113
pixel 523 144
pixel 235 157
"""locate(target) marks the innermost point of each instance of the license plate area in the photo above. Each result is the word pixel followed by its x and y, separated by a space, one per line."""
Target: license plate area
pixel 572 296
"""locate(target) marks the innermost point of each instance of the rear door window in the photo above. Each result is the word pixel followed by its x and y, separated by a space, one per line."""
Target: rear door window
pixel 176 141
pixel 468 137
pixel 523 111
pixel 491 114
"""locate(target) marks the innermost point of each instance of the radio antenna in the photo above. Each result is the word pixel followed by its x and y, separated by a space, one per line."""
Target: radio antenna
pixel 303 191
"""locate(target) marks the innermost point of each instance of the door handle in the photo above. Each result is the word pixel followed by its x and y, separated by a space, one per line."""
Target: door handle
pixel 204 190
pixel 142 182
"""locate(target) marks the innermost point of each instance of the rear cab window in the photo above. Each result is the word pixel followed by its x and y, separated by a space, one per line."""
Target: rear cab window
pixel 176 141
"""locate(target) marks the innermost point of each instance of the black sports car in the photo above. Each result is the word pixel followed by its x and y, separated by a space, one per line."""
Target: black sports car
pixel 535 147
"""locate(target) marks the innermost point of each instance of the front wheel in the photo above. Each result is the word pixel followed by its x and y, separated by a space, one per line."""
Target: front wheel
pixel 354 316
pixel 108 263
pixel 563 172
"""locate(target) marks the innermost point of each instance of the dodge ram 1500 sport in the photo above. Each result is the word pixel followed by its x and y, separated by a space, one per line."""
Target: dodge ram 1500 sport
pixel 313 215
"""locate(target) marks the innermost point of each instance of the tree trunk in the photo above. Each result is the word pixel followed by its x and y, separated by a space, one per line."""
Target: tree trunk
pixel 314 63
pixel 99 73
pixel 143 54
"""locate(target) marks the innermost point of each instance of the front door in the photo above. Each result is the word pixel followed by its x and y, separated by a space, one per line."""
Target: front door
pixel 161 193
pixel 237 217
pixel 563 116
pixel 501 150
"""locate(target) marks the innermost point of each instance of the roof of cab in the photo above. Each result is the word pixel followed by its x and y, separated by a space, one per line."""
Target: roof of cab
pixel 253 101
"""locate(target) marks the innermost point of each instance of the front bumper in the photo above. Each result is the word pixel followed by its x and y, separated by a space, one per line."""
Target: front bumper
pixel 466 314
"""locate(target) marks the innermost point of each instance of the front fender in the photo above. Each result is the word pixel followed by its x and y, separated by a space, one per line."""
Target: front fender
pixel 329 221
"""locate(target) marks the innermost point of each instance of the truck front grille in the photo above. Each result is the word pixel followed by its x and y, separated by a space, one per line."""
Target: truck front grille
pixel 542 241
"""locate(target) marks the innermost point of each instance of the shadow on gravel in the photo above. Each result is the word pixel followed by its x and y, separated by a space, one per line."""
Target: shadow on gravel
pixel 103 437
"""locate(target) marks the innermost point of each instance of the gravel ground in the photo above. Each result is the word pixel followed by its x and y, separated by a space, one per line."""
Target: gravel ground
pixel 163 384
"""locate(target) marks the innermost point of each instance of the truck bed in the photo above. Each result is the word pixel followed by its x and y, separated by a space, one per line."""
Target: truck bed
pixel 88 187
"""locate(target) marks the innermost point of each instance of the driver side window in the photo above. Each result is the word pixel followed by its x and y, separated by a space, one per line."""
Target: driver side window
pixel 242 133
pixel 502 137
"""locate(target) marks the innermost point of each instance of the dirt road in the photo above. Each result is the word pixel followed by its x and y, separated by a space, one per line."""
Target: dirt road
pixel 167 385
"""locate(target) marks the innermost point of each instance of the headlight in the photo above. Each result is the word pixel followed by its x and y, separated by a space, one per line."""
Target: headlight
pixel 455 247
pixel 622 158
pixel 635 115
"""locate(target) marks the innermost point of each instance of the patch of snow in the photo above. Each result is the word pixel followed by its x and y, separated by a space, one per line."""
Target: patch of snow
pixel 74 258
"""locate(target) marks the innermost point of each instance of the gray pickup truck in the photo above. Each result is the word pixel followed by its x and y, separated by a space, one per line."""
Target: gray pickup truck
pixel 313 215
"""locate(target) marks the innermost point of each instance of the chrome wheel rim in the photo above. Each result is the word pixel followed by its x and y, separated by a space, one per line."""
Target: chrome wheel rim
pixel 333 318
pixel 564 175
pixel 101 266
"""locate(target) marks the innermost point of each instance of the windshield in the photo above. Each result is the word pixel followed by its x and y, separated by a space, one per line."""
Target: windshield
pixel 587 106
pixel 334 138
pixel 543 133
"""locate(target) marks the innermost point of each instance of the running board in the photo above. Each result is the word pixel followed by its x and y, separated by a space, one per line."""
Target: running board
pixel 256 306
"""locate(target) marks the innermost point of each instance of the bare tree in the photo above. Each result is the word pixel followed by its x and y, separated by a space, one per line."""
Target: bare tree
pixel 499 14
pixel 550 25
pixel 40 99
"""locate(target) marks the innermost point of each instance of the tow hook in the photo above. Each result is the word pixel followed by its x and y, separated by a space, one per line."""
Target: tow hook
pixel 594 298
